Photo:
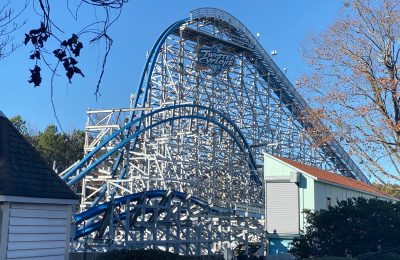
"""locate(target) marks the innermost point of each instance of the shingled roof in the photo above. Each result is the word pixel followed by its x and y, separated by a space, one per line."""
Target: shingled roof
pixel 333 178
pixel 23 172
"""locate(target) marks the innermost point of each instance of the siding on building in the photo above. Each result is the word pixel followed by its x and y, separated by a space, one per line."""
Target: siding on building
pixel 307 194
pixel 4 220
pixel 336 193
pixel 273 167
pixel 315 186
pixel 35 204
pixel 283 208
pixel 38 231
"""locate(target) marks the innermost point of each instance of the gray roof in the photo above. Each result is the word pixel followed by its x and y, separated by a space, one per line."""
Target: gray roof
pixel 23 171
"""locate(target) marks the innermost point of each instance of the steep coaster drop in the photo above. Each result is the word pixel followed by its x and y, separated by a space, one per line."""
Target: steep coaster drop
pixel 182 168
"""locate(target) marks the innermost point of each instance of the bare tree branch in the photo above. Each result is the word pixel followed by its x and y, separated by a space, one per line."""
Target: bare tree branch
pixel 355 70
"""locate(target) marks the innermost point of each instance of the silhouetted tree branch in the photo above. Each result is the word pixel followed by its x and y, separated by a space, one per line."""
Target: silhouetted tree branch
pixel 66 49
pixel 9 25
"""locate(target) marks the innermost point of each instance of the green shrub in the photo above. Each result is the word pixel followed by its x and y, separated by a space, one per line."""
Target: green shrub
pixel 353 227
pixel 139 255
pixel 150 254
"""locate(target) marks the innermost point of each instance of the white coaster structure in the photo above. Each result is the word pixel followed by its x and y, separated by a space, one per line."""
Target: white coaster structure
pixel 181 169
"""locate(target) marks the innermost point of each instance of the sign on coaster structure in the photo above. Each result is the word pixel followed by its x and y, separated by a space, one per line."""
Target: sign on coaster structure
pixel 214 58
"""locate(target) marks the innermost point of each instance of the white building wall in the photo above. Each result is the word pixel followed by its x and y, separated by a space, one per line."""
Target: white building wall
pixel 306 191
pixel 274 167
pixel 4 220
pixel 336 193
pixel 320 195
pixel 282 208
pixel 38 231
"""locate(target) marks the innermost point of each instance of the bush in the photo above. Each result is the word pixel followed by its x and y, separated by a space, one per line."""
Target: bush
pixel 392 254
pixel 139 255
pixel 152 255
pixel 353 227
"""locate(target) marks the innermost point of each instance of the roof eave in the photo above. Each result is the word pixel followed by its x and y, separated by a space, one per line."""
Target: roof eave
pixel 290 166
pixel 358 190
pixel 7 198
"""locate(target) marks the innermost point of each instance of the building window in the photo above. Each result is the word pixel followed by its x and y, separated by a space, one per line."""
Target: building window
pixel 328 202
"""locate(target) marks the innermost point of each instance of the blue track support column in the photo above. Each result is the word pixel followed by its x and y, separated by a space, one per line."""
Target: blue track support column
pixel 198 238
pixel 142 226
pixel 127 219
pixel 178 231
pixel 153 229
pixel 246 243
pixel 187 226
pixel 209 231
pixel 167 237
pixel 111 224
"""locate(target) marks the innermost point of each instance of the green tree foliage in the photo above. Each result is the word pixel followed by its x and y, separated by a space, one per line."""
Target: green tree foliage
pixel 355 226
pixel 50 144
pixel 20 124
pixel 25 129
pixel 61 149
pixel 75 142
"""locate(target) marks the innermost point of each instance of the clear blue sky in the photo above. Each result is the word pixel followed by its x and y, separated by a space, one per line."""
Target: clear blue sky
pixel 282 24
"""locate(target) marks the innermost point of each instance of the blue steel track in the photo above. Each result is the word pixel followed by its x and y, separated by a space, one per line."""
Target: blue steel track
pixel 99 209
pixel 134 129
pixel 243 147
